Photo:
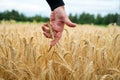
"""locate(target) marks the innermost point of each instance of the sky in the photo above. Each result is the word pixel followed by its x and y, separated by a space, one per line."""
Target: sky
pixel 40 7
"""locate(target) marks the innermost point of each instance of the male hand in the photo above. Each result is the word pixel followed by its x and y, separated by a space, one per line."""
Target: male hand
pixel 58 18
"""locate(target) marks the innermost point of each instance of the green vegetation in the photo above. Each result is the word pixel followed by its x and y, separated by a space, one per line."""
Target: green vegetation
pixel 15 15
pixel 84 18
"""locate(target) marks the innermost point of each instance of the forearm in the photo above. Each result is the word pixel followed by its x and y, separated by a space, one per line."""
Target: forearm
pixel 55 3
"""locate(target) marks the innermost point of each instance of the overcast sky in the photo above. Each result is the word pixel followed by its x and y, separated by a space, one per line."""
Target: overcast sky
pixel 33 7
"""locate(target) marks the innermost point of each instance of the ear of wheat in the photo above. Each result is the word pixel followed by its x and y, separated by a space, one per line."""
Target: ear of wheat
pixel 83 53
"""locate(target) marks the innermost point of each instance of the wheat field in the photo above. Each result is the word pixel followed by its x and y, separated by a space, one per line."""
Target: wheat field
pixel 87 52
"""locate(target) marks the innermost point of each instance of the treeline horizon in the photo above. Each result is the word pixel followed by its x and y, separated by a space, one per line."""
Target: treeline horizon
pixel 84 18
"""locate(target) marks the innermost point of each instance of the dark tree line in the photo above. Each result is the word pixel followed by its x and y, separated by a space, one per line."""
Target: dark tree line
pixel 15 15
pixel 84 18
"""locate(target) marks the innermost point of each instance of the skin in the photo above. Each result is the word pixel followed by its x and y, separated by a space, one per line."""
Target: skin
pixel 58 19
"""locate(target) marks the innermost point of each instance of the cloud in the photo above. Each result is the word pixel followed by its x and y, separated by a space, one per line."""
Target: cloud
pixel 33 7
pixel 93 6
pixel 28 7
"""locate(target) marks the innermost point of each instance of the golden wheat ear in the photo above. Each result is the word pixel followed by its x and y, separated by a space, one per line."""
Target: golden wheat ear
pixel 51 32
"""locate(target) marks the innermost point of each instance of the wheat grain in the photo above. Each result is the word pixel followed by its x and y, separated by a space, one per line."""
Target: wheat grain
pixel 86 52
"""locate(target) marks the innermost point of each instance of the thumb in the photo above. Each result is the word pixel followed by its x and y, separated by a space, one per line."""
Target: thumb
pixel 69 23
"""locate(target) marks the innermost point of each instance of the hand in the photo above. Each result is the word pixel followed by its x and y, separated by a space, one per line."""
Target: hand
pixel 58 18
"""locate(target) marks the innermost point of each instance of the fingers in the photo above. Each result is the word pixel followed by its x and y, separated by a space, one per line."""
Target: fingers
pixel 57 38
pixel 47 35
pixel 46 31
pixel 57 29
pixel 56 32
pixel 69 23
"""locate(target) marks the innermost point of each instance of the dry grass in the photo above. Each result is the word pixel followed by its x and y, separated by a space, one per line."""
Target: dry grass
pixel 85 53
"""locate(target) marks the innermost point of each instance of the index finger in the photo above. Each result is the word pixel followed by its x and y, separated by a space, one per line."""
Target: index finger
pixel 56 39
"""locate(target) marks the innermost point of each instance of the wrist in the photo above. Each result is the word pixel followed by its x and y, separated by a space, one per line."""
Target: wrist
pixel 59 8
pixel 55 4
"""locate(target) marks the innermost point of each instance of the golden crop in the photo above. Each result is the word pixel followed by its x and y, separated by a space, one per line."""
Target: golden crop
pixel 87 52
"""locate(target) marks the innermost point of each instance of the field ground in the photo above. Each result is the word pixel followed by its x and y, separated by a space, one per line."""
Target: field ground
pixel 86 52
